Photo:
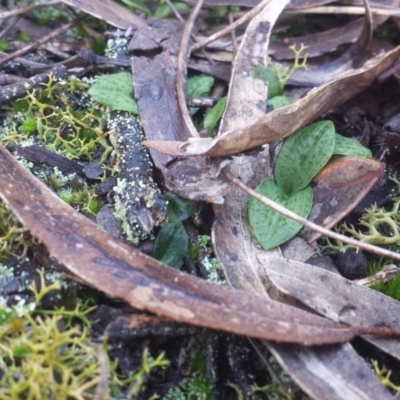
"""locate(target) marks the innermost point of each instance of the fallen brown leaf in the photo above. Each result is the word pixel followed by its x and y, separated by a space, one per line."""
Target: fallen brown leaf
pixel 322 42
pixel 335 297
pixel 339 188
pixel 109 11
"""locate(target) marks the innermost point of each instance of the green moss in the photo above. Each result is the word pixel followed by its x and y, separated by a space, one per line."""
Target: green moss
pixel 198 387
pixel 4 45
pixel 84 199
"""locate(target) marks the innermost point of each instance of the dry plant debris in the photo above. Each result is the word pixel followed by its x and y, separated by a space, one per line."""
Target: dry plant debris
pixel 269 290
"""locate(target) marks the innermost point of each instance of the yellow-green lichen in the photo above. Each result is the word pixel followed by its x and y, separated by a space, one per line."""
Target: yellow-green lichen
pixel 14 238
pixel 51 355
pixel 62 116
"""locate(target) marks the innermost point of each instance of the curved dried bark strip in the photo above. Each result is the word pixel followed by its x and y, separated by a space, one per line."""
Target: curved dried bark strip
pixel 284 121
pixel 246 97
pixel 125 273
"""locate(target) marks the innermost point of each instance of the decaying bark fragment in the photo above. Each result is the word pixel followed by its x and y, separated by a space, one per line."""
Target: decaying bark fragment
pixel 139 203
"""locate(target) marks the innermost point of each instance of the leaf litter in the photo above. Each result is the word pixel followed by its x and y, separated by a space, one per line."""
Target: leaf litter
pixel 336 372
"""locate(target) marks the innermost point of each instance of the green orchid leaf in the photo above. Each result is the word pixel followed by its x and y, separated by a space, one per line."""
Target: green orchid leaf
pixel 115 91
pixel 269 75
pixel 171 244
pixel 179 209
pixel 212 118
pixel 199 85
pixel 279 101
pixel 137 4
pixel 164 11
pixel 350 147
pixel 302 156
pixel 271 228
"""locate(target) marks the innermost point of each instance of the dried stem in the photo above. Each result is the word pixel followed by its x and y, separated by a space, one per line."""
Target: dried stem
pixel 24 10
pixel 231 27
pixel 181 69
pixel 39 42
pixel 355 10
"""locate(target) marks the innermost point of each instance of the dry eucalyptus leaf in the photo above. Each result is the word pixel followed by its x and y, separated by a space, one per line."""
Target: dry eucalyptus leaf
pixel 122 272
pixel 109 11
pixel 282 122
pixel 322 42
pixel 337 298
pixel 246 96
pixel 330 373
pixel 339 188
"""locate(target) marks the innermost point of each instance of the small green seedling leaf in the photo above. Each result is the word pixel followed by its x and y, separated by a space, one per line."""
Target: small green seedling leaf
pixel 199 85
pixel 350 147
pixel 271 228
pixel 171 244
pixel 163 10
pixel 212 118
pixel 279 101
pixel 115 91
pixel 179 209
pixel 138 4
pixel 269 75
pixel 303 155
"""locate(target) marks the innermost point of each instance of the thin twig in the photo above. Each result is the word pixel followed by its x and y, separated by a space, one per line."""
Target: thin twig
pixel 355 10
pixel 182 21
pixel 175 11
pixel 181 69
pixel 233 35
pixel 290 214
pixel 39 42
pixel 23 61
pixel 23 10
pixel 231 27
